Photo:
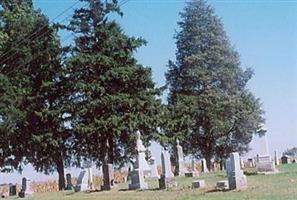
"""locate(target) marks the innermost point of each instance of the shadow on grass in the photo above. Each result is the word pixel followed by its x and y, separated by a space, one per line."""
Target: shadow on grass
pixel 217 190
pixel 139 190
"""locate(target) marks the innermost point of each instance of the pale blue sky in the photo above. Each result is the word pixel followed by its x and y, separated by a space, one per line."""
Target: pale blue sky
pixel 264 33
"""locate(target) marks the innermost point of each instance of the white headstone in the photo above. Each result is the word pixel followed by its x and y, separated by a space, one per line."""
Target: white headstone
pixel 236 178
pixel 180 159
pixel 137 175
pixel 154 169
pixel 140 159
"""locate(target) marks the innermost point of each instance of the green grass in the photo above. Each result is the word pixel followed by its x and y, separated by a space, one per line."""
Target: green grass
pixel 281 186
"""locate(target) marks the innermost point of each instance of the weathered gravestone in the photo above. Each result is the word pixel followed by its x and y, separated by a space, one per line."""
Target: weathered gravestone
pixel 85 178
pixel 167 179
pixel 222 185
pixel 154 169
pixel 180 169
pixel 276 159
pixel 26 188
pixel 108 178
pixel 198 184
pixel 137 175
pixel 12 189
pixel 68 182
pixel 236 178
pixel 204 166
pixel 286 159
pixel 142 163
pixel 264 162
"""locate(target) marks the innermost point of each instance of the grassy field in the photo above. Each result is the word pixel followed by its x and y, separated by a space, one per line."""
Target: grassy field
pixel 281 186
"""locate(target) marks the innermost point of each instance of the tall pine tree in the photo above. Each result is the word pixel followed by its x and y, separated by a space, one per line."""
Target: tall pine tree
pixel 113 95
pixel 213 113
pixel 33 108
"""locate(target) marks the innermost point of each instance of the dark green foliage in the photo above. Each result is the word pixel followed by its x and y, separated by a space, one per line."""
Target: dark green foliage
pixel 34 96
pixel 113 95
pixel 213 113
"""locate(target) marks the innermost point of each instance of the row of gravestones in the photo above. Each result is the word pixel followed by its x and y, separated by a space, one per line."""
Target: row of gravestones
pixel 25 189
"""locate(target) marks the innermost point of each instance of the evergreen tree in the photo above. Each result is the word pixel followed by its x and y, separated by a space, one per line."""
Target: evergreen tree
pixel 113 95
pixel 212 111
pixel 32 70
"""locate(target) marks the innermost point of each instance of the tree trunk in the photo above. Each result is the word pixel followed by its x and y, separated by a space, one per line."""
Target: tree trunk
pixel 60 169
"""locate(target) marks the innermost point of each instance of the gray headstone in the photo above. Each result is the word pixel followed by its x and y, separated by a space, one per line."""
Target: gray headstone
pixel 68 182
pixel 193 172
pixel 26 186
pixel 12 189
pixel 222 185
pixel 236 178
pixel 167 179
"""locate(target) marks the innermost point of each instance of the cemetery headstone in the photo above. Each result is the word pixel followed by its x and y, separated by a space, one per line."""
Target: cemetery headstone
pixel 12 189
pixel 142 163
pixel 68 182
pixel 276 159
pixel 222 185
pixel 137 176
pixel 154 169
pixel 180 168
pixel 285 159
pixel 167 179
pixel 198 184
pixel 236 178
pixel 264 162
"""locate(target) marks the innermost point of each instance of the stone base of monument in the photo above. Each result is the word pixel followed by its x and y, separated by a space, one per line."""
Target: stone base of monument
pixel 192 174
pixel 222 185
pixel 198 184
pixel 265 164
pixel 238 183
pixel 165 183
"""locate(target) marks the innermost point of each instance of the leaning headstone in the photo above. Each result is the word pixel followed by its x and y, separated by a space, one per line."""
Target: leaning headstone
pixel 180 168
pixel 198 184
pixel 276 160
pixel 68 182
pixel 154 169
pixel 12 189
pixel 108 178
pixel 167 179
pixel 222 185
pixel 137 176
pixel 236 178
pixel 264 162
pixel 204 166
pixel 82 181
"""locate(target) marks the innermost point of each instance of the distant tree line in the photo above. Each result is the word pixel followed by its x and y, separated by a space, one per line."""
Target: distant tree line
pixel 62 104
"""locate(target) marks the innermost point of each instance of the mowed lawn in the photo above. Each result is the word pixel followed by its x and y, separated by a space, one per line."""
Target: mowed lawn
pixel 281 186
